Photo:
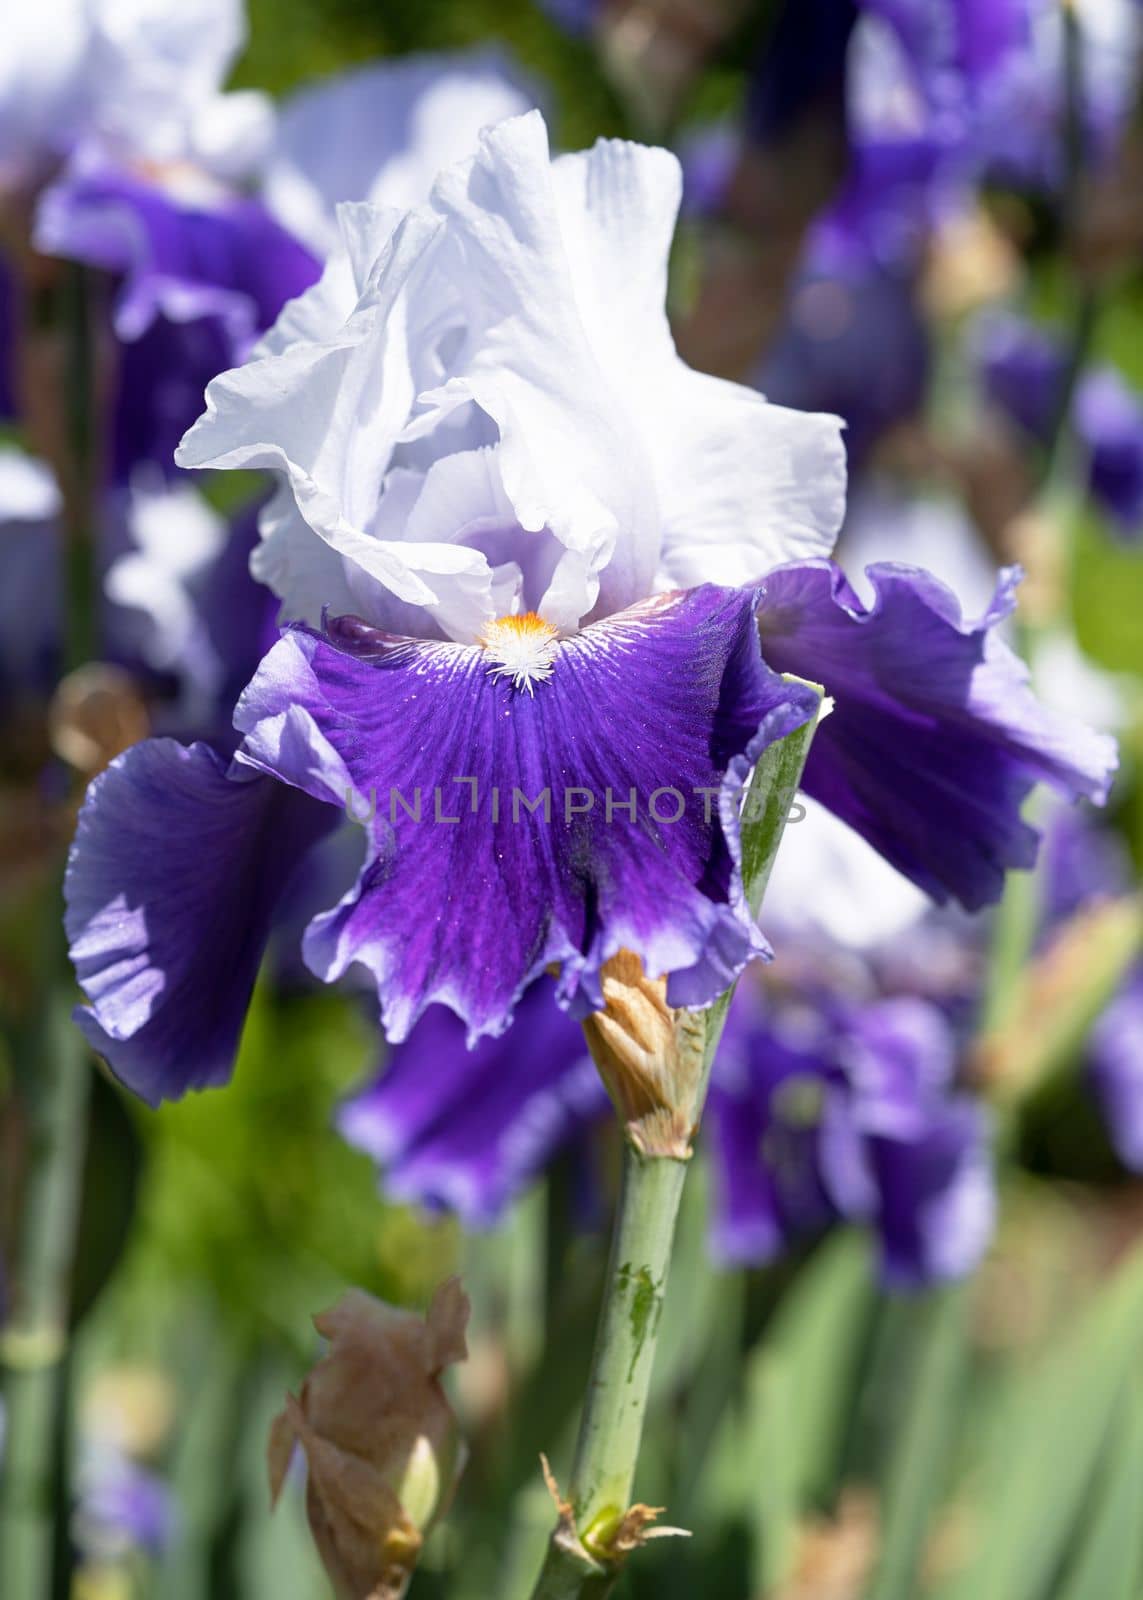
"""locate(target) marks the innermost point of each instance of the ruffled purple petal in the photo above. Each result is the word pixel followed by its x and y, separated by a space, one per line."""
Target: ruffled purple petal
pixel 669 703
pixel 171 886
pixel 935 739
pixel 467 1130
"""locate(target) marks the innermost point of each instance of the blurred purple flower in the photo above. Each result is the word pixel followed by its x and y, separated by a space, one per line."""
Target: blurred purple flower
pixel 122 1507
pixel 1023 368
pixel 826 1113
pixel 854 344
pixel 817 1117
pixel 202 272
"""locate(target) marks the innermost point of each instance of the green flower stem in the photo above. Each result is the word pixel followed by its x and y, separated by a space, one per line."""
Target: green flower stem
pixel 34 1341
pixel 612 1424
pixel 581 1563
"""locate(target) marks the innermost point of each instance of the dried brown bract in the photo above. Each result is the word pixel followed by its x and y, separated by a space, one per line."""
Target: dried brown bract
pixel 381 1442
pixel 650 1056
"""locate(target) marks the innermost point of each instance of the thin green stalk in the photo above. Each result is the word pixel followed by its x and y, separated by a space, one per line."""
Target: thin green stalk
pixel 57 1086
pixel 581 1562
pixel 612 1425
pixel 34 1340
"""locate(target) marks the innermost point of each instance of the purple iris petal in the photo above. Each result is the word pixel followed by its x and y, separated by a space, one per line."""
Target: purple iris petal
pixel 1109 421
pixel 467 1130
pixel 222 257
pixel 893 194
pixel 665 706
pixel 767 1099
pixel 969 38
pixel 31 607
pixel 161 379
pixel 1080 863
pixel 200 280
pixel 171 886
pixel 239 616
pixel 936 739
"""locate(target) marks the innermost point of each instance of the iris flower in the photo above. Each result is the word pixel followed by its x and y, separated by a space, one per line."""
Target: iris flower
pixel 547 585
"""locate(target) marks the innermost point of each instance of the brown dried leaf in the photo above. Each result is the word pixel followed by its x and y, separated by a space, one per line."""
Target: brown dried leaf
pixel 379 1436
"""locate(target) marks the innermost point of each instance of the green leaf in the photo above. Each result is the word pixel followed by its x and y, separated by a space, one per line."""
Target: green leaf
pixel 918 1462
pixel 1106 585
pixel 1048 1440
pixel 1109 1562
pixel 777 1450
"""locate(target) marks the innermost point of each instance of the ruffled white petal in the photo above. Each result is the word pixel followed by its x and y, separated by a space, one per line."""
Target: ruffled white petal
pixel 480 409
pixel 571 457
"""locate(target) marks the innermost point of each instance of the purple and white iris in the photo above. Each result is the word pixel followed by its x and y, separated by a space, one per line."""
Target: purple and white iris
pixel 529 551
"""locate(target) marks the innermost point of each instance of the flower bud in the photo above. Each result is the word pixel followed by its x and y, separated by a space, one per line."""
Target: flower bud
pixel 650 1056
pixel 380 1439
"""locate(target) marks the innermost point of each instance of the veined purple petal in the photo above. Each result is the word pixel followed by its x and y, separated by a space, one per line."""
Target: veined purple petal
pixel 665 706
pixel 171 886
pixel 467 1130
pixel 935 739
